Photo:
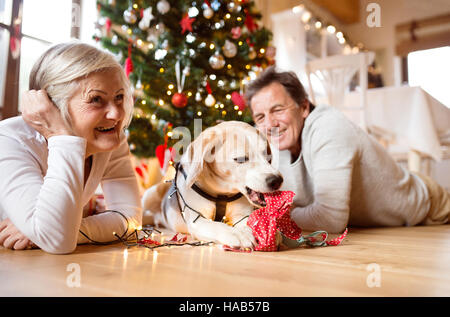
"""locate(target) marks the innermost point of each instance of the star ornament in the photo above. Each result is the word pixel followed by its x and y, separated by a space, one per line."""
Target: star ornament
pixel 186 23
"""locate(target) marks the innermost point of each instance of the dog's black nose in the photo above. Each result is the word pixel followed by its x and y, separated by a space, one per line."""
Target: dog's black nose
pixel 274 181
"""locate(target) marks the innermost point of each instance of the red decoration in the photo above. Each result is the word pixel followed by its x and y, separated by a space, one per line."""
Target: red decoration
pixel 139 171
pixel 249 22
pixel 128 66
pixel 128 62
pixel 163 155
pixel 179 100
pixel 108 24
pixel 238 100
pixel 265 223
pixel 208 88
pixel 236 32
pixel 275 216
pixel 186 23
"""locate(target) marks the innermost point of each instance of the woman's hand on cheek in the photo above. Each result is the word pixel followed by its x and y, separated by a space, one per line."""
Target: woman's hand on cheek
pixel 11 237
pixel 40 113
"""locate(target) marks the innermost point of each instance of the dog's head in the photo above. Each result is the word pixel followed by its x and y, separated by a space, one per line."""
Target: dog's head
pixel 232 157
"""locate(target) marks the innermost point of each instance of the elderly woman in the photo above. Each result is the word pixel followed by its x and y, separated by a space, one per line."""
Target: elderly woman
pixel 68 140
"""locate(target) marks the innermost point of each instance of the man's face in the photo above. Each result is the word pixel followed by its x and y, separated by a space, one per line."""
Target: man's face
pixel 279 117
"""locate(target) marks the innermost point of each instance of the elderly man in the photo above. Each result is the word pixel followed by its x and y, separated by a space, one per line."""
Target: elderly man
pixel 341 175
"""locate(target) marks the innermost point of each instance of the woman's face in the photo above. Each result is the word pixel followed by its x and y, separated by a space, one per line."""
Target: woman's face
pixel 97 110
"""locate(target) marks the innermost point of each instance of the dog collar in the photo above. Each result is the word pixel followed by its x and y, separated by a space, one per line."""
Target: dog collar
pixel 220 201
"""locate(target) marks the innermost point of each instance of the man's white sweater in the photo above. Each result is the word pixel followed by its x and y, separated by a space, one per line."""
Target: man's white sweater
pixel 345 177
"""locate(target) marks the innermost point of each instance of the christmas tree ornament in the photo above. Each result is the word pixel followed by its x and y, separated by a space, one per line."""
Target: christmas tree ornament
pixel 252 53
pixel 198 97
pixel 193 12
pixel 108 25
pixel 217 61
pixel 215 5
pixel 146 18
pixel 208 13
pixel 129 15
pixel 209 100
pixel 190 38
pixel 186 23
pixel 160 27
pixel 139 84
pixel 238 100
pixel 236 32
pixel 179 99
pixel 271 51
pixel 163 6
pixel 114 40
pixel 229 49
pixel 160 54
pixel 128 62
pixel 233 7
pixel 249 22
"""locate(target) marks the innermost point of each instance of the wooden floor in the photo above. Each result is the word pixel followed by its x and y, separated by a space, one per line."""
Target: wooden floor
pixel 412 261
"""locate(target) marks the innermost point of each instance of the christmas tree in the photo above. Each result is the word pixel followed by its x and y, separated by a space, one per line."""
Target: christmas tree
pixel 186 60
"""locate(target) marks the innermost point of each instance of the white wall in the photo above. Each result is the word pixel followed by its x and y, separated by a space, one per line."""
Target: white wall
pixel 392 14
pixel 382 39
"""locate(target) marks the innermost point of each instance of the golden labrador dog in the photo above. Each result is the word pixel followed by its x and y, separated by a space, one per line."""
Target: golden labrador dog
pixel 219 181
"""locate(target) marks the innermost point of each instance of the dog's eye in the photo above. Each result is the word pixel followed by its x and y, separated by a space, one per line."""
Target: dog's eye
pixel 241 159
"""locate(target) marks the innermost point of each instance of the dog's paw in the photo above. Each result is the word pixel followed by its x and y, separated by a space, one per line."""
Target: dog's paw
pixel 246 238
pixel 229 237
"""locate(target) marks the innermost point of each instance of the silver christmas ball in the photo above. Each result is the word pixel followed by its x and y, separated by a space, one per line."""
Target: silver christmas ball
pixel 217 61
pixel 229 49
pixel 163 6
pixel 114 40
pixel 129 15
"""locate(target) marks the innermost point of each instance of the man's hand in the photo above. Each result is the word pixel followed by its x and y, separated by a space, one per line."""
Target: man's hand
pixel 11 237
pixel 39 112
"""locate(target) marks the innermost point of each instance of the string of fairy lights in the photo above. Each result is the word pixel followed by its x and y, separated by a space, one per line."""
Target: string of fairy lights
pixel 314 24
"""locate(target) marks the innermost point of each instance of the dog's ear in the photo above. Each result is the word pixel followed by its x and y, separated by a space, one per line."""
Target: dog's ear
pixel 201 150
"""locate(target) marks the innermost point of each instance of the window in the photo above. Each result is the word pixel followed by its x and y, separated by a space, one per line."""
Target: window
pixel 429 69
pixel 5 20
pixel 42 23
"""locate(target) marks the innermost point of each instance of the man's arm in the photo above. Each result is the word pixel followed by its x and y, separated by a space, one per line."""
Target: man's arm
pixel 330 154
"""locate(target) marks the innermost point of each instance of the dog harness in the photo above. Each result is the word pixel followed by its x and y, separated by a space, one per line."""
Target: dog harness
pixel 221 201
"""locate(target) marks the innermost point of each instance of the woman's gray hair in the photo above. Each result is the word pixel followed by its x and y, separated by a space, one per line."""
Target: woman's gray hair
pixel 61 66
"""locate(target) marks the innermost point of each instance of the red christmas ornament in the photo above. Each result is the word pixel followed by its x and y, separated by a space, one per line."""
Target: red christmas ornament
pixel 128 62
pixel 249 22
pixel 236 32
pixel 179 100
pixel 186 23
pixel 128 66
pixel 238 100
pixel 108 24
